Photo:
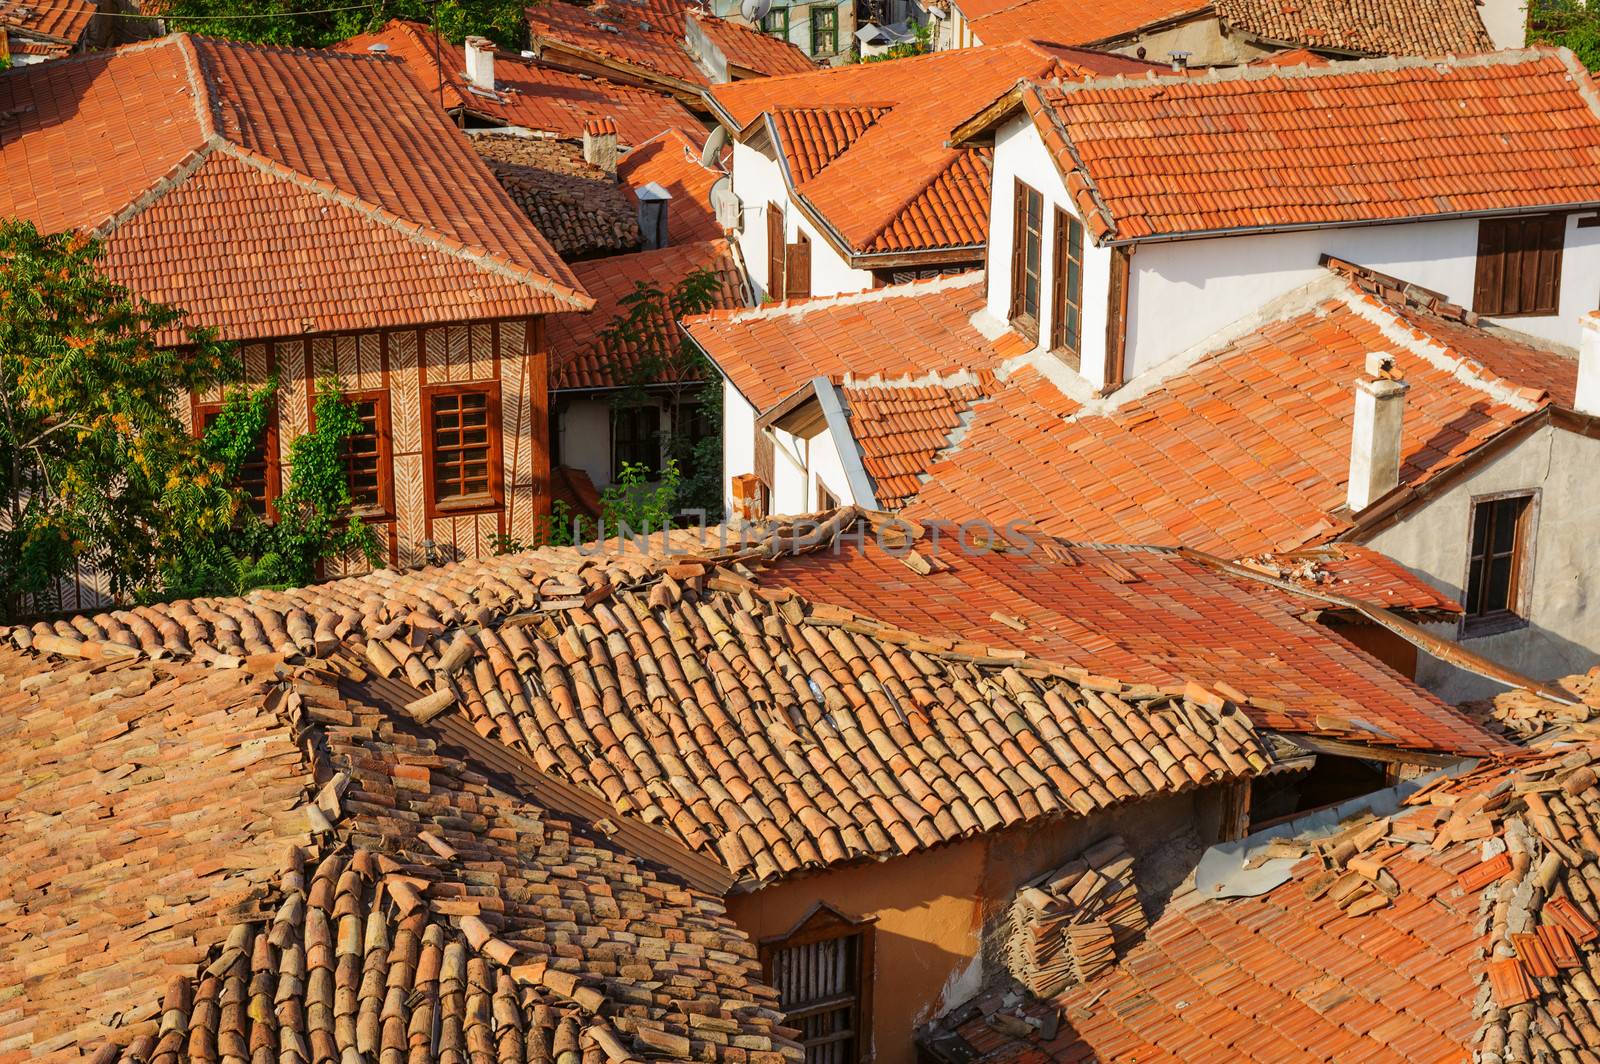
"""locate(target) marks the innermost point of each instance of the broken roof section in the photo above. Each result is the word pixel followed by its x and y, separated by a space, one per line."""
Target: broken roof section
pixel 526 93
pixel 50 27
pixel 1363 27
pixel 864 147
pixel 1462 926
pixel 1270 148
pixel 272 191
pixel 423 889
pixel 578 206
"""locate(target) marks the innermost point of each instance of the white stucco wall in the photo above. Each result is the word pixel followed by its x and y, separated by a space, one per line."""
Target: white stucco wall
pixel 758 182
pixel 830 274
pixel 1563 634
pixel 1020 154
pixel 738 439
pixel 1182 292
pixel 798 463
pixel 585 428
pixel 1506 21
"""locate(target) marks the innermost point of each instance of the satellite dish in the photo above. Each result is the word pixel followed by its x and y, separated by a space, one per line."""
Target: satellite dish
pixel 754 10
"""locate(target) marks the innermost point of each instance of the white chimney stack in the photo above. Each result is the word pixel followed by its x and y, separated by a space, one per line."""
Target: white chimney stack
pixel 1375 438
pixel 1588 400
pixel 480 63
pixel 600 143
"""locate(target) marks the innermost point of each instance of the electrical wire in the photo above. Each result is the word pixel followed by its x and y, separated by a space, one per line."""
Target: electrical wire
pixel 230 18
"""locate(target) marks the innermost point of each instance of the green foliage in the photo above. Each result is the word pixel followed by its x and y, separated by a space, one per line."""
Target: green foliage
pixel 312 23
pixel 95 467
pixel 562 528
pixel 921 43
pixel 676 374
pixel 313 523
pixel 1572 24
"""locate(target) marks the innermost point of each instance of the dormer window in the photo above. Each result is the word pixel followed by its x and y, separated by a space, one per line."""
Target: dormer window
pixel 1066 300
pixel 1027 252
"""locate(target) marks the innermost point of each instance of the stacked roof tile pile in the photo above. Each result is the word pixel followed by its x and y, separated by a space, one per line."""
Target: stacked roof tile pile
pixel 1466 925
pixel 607 348
pixel 271 191
pixel 1069 924
pixel 1534 718
pixel 526 93
pixel 1376 140
pixel 769 732
pixel 866 145
pixel 579 207
pixel 1372 27
pixel 422 910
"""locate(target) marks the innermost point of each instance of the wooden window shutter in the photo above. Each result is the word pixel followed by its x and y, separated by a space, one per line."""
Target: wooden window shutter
pixel 763 456
pixel 775 252
pixel 1117 319
pixel 1019 242
pixel 1519 265
pixel 797 270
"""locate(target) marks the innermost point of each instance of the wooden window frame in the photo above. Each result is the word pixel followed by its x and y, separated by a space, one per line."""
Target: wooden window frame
pixel 768 20
pixel 495 499
pixel 1531 245
pixel 1023 197
pixel 273 485
pixel 777 251
pixel 818 13
pixel 385 508
pixel 619 411
pixel 821 924
pixel 1066 250
pixel 825 499
pixel 797 264
pixel 1519 592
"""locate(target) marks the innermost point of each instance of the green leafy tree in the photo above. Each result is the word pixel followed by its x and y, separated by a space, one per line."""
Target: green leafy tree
pixel 1571 24
pixel 314 522
pixel 95 467
pixel 319 23
pixel 675 373
pixel 641 498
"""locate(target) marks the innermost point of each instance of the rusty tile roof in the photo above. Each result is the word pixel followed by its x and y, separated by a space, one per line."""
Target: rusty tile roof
pixel 769 732
pixel 1461 927
pixel 907 331
pixel 1371 27
pixel 214 169
pixel 1245 451
pixel 1377 140
pixel 1155 616
pixel 580 208
pixel 999 21
pixel 423 890
pixel 582 356
pixel 59 21
pixel 672 160
pixel 528 94
pixel 866 145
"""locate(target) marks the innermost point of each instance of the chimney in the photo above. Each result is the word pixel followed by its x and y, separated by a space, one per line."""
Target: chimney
pixel 1588 400
pixel 1375 439
pixel 1180 61
pixel 480 63
pixel 600 143
pixel 653 203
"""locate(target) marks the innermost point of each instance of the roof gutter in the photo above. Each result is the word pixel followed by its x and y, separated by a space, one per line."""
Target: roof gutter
pixel 1442 649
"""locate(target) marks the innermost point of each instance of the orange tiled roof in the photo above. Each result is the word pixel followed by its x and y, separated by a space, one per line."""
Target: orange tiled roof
pixel 672 160
pixel 900 428
pixel 922 328
pixel 866 144
pixel 528 94
pixel 59 21
pixel 272 191
pixel 766 731
pixel 1153 616
pixel 1065 22
pixel 582 357
pixel 579 207
pixel 1245 451
pixel 1378 140
pixel 751 50
pixel 1461 927
pixel 1373 27
pixel 151 909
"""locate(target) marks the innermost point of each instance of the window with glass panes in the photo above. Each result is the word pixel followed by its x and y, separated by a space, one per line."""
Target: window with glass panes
pixel 462 430
pixel 1066 303
pixel 824 30
pixel 1027 252
pixel 258 473
pixel 1497 562
pixel 636 438
pixel 366 454
pixel 776 23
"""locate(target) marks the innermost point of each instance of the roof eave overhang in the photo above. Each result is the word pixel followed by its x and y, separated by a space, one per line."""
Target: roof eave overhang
pixel 979 130
pixel 1361 223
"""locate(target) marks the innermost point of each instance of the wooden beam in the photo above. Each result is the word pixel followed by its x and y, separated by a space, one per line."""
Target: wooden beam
pixel 1117 319
pixel 1388 754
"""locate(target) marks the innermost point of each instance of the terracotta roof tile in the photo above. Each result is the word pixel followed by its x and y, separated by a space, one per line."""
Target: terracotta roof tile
pixel 580 208
pixel 234 160
pixel 672 160
pixel 527 94
pixel 908 331
pixel 1394 960
pixel 1373 27
pixel 581 357
pixel 59 21
pixel 648 37
pixel 1263 147
pixel 866 144
pixel 752 50
pixel 1151 616
pixel 999 21
pixel 766 731
pixel 423 889
pixel 1245 451
pixel 899 430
